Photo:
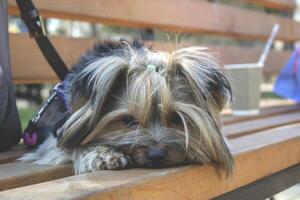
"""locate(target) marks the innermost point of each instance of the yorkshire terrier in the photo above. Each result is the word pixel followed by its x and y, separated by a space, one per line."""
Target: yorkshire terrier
pixel 129 106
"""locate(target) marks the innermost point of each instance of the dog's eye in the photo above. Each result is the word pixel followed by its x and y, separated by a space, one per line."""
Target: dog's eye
pixel 176 119
pixel 130 121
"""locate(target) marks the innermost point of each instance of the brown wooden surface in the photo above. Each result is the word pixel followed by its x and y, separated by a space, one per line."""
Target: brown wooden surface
pixel 16 152
pixel 254 155
pixel 19 174
pixel 29 65
pixel 256 125
pixel 266 187
pixel 172 15
pixel 12 154
pixel 264 112
pixel 285 5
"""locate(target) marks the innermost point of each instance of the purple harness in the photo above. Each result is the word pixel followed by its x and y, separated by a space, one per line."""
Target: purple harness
pixel 31 135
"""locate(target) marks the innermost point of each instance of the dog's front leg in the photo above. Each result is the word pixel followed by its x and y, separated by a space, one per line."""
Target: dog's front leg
pixel 94 158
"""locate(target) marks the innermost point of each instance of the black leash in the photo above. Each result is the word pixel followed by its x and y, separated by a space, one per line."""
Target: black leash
pixel 34 135
pixel 32 19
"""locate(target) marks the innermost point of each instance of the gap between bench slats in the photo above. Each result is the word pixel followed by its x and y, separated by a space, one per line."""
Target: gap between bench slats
pixel 265 187
pixel 254 155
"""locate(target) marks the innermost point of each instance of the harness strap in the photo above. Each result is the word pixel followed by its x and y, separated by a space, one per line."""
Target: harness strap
pixel 33 134
pixel 32 19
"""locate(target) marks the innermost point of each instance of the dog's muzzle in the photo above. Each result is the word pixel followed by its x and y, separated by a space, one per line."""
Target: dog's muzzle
pixel 156 156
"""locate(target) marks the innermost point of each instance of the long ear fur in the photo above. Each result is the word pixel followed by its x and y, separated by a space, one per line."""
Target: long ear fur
pixel 204 74
pixel 211 90
pixel 90 85
pixel 98 77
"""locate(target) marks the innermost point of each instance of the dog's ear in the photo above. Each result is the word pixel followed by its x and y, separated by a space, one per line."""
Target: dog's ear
pixel 210 89
pixel 204 74
pixel 80 80
pixel 89 89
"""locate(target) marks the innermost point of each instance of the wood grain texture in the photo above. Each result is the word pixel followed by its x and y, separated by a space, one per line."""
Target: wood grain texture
pixel 19 174
pixel 260 124
pixel 284 5
pixel 29 65
pixel 172 15
pixel 15 172
pixel 264 112
pixel 16 152
pixel 12 154
pixel 265 187
pixel 254 156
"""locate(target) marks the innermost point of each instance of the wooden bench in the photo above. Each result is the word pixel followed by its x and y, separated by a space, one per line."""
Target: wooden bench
pixel 265 147
pixel 173 15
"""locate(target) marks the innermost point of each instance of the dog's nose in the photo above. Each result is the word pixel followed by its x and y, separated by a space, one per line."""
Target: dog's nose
pixel 156 155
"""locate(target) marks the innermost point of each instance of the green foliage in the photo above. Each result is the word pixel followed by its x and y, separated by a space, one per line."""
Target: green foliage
pixel 25 115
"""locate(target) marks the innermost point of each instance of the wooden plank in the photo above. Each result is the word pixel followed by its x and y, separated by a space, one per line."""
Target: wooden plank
pixel 12 154
pixel 237 54
pixel 266 187
pixel 265 112
pixel 28 63
pixel 19 174
pixel 254 156
pixel 256 125
pixel 284 5
pixel 231 131
pixel 172 15
pixel 31 67
pixel 34 171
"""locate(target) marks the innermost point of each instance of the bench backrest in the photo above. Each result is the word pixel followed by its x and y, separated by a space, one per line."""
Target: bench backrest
pixel 184 16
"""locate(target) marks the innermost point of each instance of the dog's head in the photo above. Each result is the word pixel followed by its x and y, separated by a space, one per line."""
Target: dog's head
pixel 161 109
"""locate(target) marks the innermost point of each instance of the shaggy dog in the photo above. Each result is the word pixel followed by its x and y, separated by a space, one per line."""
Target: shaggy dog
pixel 129 106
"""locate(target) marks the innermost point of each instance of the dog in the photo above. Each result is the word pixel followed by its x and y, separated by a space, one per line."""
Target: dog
pixel 130 106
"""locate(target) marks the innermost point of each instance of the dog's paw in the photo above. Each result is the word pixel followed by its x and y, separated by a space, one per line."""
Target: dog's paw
pixel 110 160
pixel 97 158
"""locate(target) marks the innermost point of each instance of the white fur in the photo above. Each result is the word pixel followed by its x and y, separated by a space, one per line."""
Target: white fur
pixel 48 154
pixel 84 159
pixel 95 158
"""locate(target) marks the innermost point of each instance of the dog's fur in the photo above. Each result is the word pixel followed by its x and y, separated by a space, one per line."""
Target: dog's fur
pixel 132 107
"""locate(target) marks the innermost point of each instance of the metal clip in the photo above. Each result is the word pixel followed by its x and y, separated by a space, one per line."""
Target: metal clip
pixel 34 23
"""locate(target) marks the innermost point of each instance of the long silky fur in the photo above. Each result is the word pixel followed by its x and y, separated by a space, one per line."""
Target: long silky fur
pixel 189 82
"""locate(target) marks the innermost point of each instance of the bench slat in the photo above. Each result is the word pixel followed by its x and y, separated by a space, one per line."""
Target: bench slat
pixel 31 67
pixel 16 152
pixel 264 112
pixel 253 155
pixel 19 174
pixel 12 154
pixel 266 187
pixel 256 125
pixel 172 15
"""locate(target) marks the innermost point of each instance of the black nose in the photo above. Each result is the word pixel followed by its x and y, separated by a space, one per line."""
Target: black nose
pixel 156 155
